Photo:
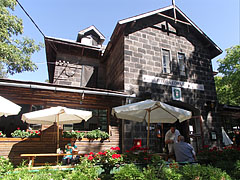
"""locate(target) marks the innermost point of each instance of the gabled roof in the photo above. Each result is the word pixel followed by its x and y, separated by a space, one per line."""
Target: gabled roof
pixel 168 13
pixel 89 29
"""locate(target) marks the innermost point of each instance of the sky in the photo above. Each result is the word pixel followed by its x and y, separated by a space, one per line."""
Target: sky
pixel 219 19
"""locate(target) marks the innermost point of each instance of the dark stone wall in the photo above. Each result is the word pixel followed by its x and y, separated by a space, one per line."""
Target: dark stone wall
pixel 143 45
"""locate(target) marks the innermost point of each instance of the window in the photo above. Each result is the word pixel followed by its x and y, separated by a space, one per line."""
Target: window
pixel 165 61
pixel 97 121
pixel 181 62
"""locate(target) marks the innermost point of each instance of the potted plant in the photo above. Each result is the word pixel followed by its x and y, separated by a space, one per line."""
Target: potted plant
pixel 68 134
pixel 2 134
pixel 34 134
pixel 80 135
pixel 104 136
pixel 20 133
pixel 92 135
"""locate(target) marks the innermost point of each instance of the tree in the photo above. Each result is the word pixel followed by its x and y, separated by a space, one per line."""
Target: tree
pixel 15 50
pixel 228 85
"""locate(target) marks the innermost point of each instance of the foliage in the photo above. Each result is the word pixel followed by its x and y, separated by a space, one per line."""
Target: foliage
pixel 107 159
pixel 129 172
pixel 137 155
pixel 34 133
pixel 2 135
pixel 86 170
pixel 228 85
pixel 236 171
pixel 226 159
pixel 91 135
pixel 5 165
pixel 94 134
pixel 15 50
pixel 25 134
pixel 103 135
pixel 190 172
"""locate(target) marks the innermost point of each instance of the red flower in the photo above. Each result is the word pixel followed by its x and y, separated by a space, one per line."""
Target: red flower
pixel 0 133
pixel 127 151
pixel 18 128
pixel 116 156
pixel 100 153
pixel 91 153
pixel 206 146
pixel 90 158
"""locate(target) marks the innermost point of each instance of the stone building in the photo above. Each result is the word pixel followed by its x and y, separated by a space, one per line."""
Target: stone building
pixel 160 55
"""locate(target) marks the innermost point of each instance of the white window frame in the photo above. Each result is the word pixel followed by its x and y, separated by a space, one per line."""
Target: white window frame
pixel 166 69
pixel 182 66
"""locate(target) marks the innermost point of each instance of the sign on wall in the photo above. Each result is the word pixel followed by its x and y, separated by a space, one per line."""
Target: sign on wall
pixel 176 94
pixel 170 82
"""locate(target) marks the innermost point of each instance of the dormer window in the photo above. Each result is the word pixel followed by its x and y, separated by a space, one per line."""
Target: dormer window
pixel 91 37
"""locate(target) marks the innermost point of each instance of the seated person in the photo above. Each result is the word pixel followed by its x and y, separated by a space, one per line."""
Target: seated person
pixel 184 152
pixel 71 148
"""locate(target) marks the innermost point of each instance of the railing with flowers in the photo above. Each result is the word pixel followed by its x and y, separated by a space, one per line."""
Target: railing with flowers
pixel 2 134
pixel 26 134
pixel 90 135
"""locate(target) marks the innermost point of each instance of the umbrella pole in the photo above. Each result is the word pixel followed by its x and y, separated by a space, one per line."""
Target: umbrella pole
pixel 148 128
pixel 57 131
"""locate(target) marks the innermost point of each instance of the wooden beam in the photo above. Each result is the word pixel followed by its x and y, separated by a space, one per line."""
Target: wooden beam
pixel 183 22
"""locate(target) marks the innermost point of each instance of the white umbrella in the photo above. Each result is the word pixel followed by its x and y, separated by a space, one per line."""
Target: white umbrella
pixel 226 140
pixel 151 112
pixel 60 115
pixel 8 108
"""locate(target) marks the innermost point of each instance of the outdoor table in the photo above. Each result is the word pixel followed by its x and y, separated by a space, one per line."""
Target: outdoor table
pixel 31 157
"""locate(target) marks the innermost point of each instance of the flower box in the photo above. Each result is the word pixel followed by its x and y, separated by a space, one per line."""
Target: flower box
pixel 19 139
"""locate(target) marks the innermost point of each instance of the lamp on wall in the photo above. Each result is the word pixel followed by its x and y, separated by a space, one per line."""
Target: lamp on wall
pixel 82 98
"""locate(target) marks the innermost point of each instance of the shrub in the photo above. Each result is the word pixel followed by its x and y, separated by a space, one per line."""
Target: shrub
pixel 85 171
pixel 107 160
pixel 5 165
pixel 129 172
pixel 190 172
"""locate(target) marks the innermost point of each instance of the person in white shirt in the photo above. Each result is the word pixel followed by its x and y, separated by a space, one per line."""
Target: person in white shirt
pixel 171 137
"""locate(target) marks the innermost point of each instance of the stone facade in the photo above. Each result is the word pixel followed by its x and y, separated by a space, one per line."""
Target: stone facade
pixel 143 49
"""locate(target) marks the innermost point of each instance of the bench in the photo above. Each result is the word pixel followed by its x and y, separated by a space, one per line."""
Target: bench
pixel 31 157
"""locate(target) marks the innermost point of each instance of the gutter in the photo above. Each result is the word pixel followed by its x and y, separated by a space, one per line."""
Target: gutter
pixel 66 90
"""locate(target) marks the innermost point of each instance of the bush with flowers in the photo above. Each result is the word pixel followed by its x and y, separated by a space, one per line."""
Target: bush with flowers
pixel 2 134
pixel 224 158
pixel 107 159
pixel 137 154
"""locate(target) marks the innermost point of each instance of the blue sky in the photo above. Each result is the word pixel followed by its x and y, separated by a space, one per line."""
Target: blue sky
pixel 219 19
